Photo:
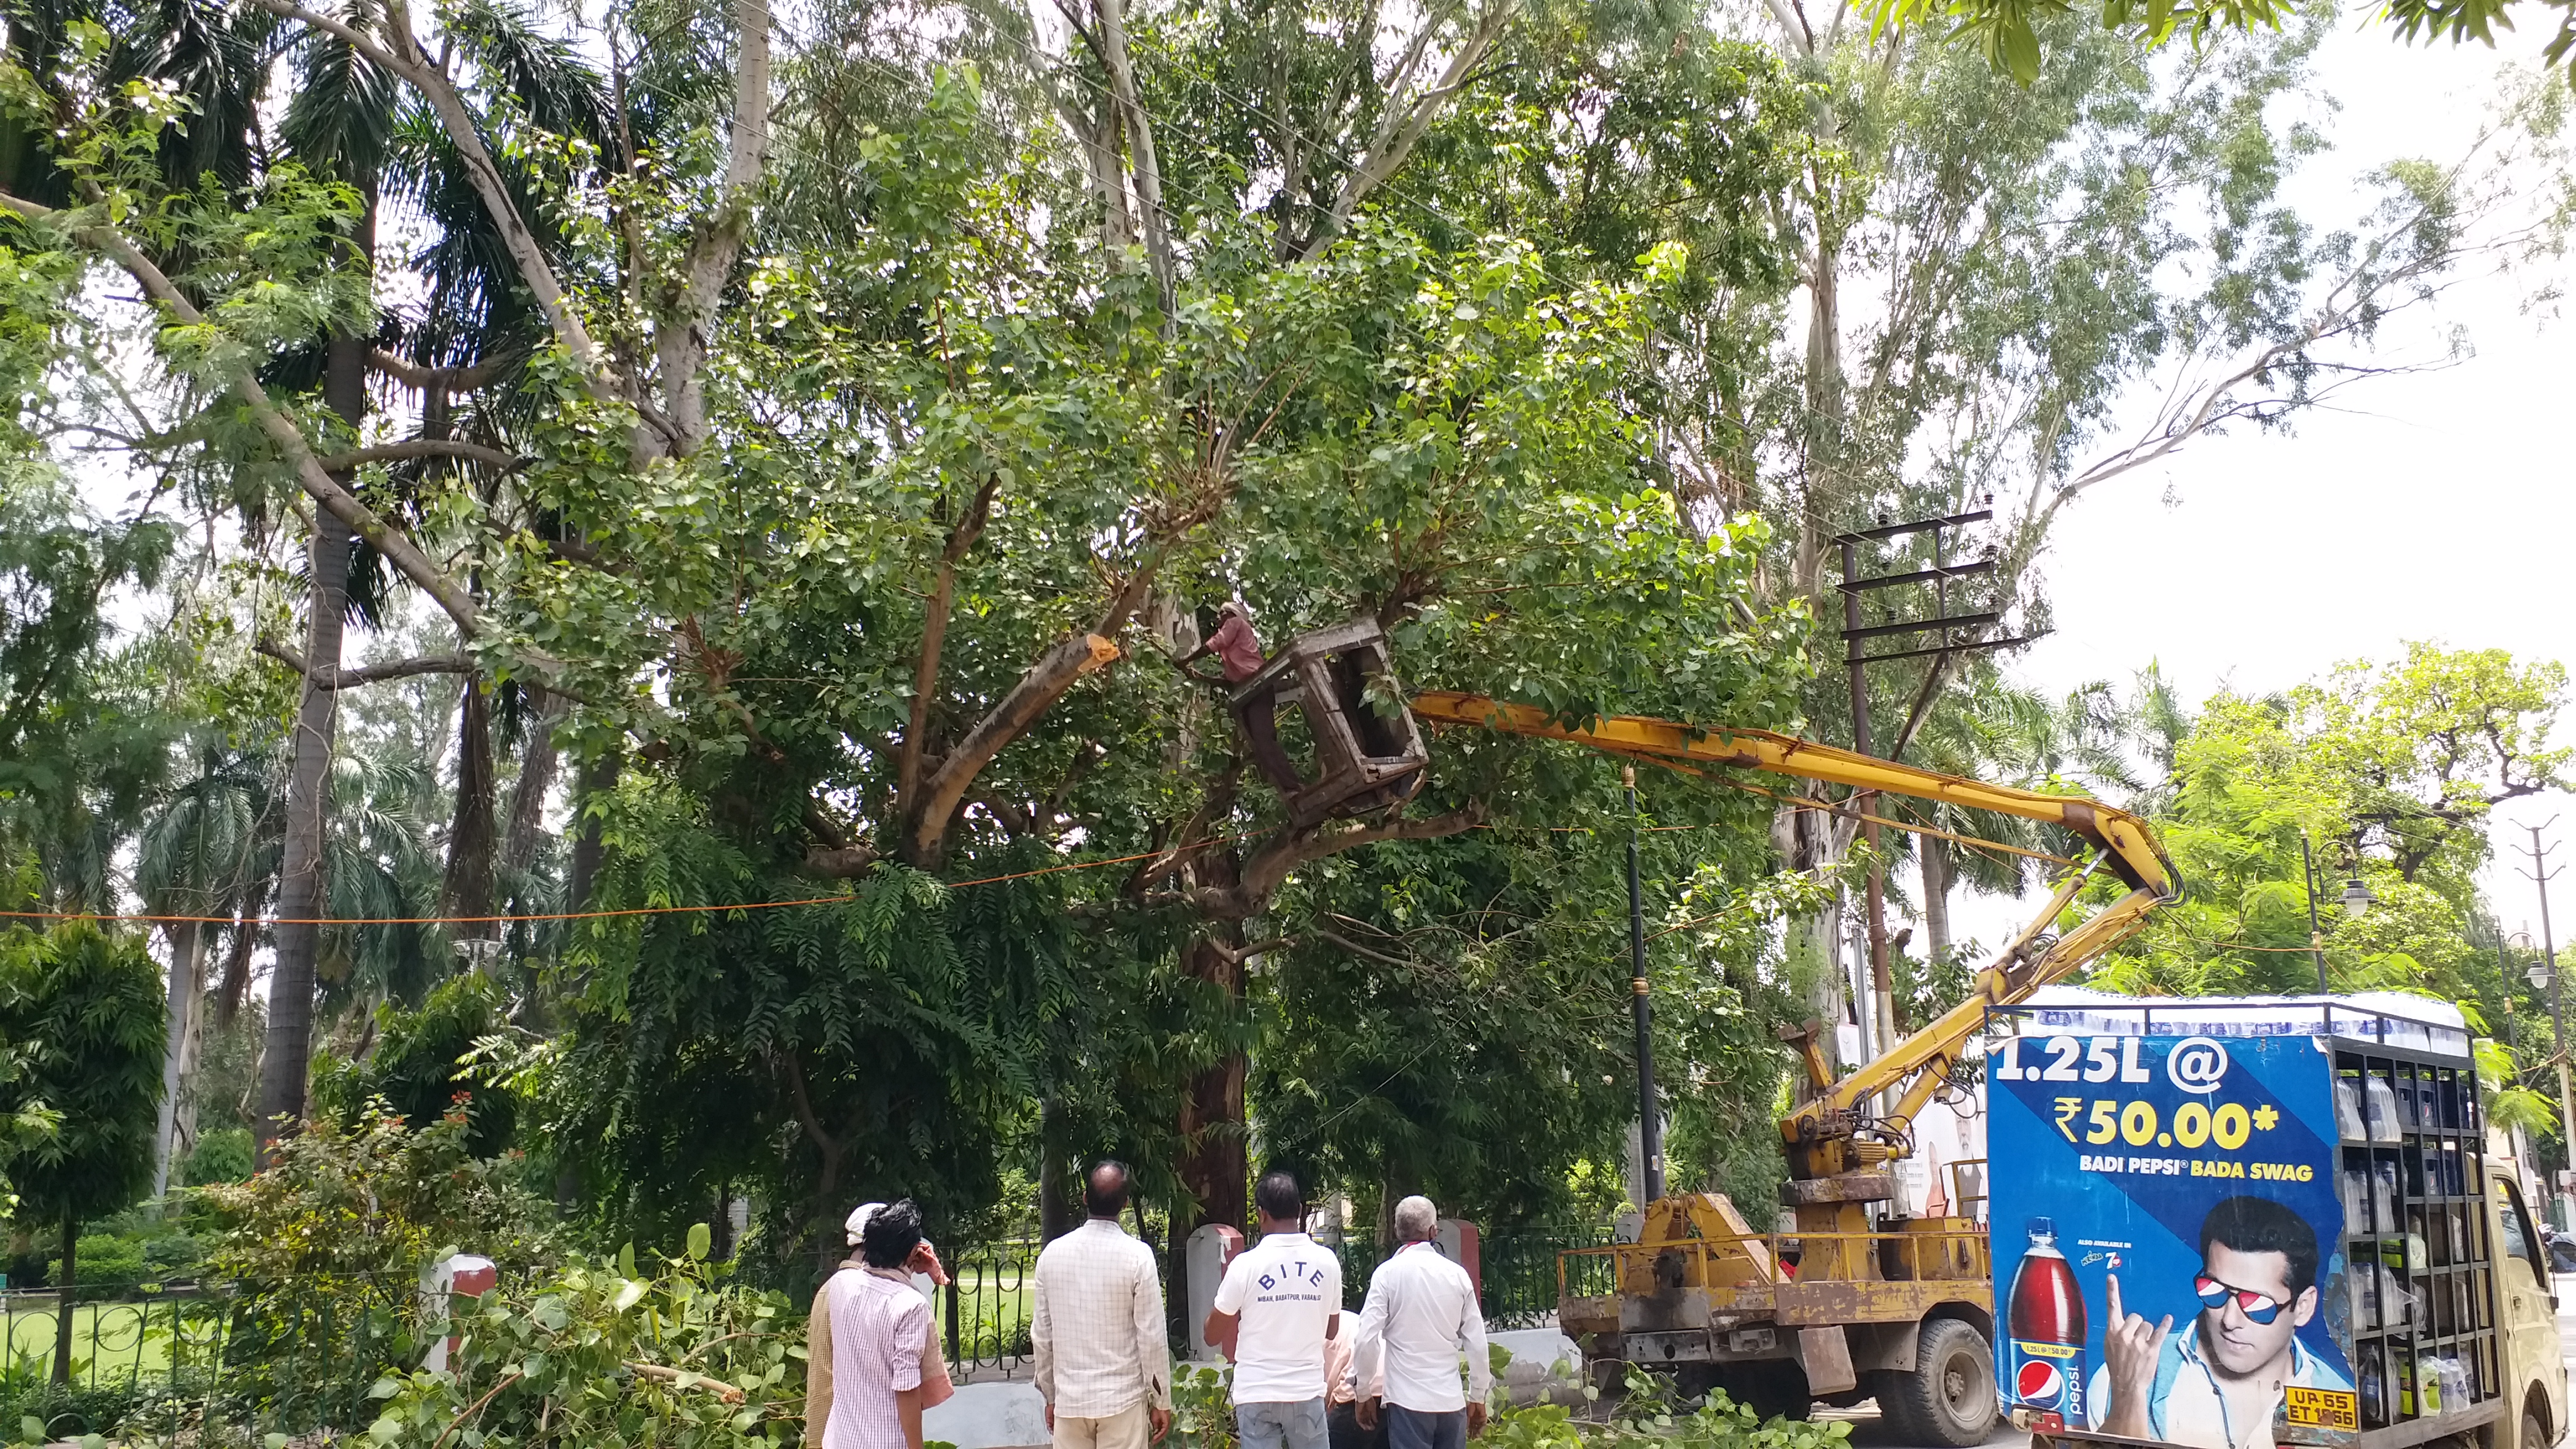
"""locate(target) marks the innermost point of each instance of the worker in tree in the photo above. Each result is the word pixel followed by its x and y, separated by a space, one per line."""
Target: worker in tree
pixel 1238 653
pixel 1236 647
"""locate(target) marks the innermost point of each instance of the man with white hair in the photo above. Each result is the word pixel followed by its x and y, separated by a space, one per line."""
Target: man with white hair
pixel 1420 1315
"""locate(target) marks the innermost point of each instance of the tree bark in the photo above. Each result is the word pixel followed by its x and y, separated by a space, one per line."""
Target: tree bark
pixel 1935 855
pixel 1055 1214
pixel 467 887
pixel 236 979
pixel 597 778
pixel 64 1297
pixel 537 762
pixel 1213 1167
pixel 187 953
pixel 288 1053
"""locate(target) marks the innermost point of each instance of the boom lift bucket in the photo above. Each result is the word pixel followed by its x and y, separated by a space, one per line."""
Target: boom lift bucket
pixel 1360 758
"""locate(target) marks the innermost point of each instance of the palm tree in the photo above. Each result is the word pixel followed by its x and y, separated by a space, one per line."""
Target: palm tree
pixel 198 858
pixel 2093 740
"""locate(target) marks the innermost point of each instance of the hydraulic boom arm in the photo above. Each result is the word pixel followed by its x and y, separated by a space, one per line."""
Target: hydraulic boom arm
pixel 1833 1133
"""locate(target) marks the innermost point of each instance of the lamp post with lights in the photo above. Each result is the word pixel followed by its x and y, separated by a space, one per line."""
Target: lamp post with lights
pixel 2356 899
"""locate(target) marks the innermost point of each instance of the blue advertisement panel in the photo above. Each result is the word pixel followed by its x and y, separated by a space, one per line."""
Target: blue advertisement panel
pixel 2168 1238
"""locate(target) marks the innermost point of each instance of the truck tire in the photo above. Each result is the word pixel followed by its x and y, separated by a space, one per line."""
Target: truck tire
pixel 2535 1424
pixel 1948 1397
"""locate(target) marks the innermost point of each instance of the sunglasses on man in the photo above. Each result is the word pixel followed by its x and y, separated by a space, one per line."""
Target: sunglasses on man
pixel 2257 1307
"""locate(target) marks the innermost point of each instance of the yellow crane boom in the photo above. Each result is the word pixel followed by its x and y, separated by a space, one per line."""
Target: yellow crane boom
pixel 1820 1135
pixel 1877 1303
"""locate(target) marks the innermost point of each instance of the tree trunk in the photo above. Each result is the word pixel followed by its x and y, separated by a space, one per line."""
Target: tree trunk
pixel 528 797
pixel 289 1048
pixel 597 778
pixel 467 888
pixel 63 1298
pixel 1936 900
pixel 187 949
pixel 245 933
pixel 1055 1210
pixel 1213 1168
pixel 288 1054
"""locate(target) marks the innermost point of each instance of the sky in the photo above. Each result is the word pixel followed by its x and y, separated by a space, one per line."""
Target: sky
pixel 2432 506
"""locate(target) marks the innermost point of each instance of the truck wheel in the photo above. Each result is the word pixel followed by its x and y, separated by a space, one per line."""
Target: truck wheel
pixel 2535 1428
pixel 1949 1396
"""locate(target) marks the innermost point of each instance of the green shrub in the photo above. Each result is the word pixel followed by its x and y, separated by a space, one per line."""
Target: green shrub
pixel 593 1356
pixel 224 1155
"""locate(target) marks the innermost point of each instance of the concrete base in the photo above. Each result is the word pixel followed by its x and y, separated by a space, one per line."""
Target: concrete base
pixel 989 1416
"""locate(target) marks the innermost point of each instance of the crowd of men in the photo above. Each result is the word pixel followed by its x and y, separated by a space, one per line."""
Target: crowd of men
pixel 1305 1375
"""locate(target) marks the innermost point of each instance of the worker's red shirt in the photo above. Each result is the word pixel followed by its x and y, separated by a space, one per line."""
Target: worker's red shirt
pixel 1236 649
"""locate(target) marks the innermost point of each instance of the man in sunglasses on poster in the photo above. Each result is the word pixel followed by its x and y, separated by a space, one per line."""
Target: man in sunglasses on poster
pixel 2217 1384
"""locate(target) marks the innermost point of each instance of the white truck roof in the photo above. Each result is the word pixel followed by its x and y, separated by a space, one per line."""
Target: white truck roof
pixel 2391 1018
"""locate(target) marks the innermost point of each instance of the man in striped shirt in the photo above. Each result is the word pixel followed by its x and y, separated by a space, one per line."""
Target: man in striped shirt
pixel 878 1326
pixel 1104 1366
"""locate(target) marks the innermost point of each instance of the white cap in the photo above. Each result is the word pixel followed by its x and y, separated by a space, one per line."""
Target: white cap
pixel 857 1226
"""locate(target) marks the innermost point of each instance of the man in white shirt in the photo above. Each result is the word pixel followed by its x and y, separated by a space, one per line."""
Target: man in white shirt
pixel 1272 1315
pixel 1104 1366
pixel 1420 1315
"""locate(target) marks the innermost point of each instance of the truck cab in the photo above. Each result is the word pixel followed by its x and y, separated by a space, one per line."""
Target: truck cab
pixel 2534 1358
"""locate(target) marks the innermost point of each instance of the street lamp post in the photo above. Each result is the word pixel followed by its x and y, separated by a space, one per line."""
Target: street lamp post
pixel 2316 934
pixel 2356 899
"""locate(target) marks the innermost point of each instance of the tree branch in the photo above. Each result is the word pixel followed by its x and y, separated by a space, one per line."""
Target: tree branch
pixel 1270 865
pixel 419 448
pixel 1356 949
pixel 347 678
pixel 439 379
pixel 406 59
pixel 1148 169
pixel 840 862
pixel 1387 152
pixel 452 597
pixel 934 638
pixel 680 343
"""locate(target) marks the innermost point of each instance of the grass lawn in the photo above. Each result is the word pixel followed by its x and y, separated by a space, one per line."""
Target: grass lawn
pixel 110 1336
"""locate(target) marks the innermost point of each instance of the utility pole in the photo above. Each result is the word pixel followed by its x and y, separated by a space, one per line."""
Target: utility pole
pixel 1650 1128
pixel 1856 660
pixel 2316 933
pixel 2540 876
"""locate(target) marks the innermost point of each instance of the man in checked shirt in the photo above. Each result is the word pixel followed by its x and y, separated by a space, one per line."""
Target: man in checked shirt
pixel 1096 1327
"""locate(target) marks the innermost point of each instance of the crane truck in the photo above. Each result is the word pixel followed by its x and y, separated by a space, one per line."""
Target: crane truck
pixel 2454 1337
pixel 1878 1304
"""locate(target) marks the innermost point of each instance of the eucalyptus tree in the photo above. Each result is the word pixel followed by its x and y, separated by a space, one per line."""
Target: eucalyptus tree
pixel 199 855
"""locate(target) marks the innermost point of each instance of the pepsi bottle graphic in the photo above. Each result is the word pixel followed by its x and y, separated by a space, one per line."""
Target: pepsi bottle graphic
pixel 2044 1334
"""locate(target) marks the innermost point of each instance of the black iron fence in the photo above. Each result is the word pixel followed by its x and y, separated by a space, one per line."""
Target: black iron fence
pixel 304 1354
pixel 292 1356
pixel 1518 1272
pixel 984 1310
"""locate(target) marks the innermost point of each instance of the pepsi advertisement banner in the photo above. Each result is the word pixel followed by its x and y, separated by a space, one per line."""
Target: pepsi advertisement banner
pixel 2168 1237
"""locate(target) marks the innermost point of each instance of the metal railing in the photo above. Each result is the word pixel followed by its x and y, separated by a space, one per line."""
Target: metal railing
pixel 984 1310
pixel 130 1342
pixel 289 1357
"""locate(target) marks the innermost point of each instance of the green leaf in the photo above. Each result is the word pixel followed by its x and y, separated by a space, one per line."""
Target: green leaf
pixel 630 1293
pixel 700 1240
pixel 32 1429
